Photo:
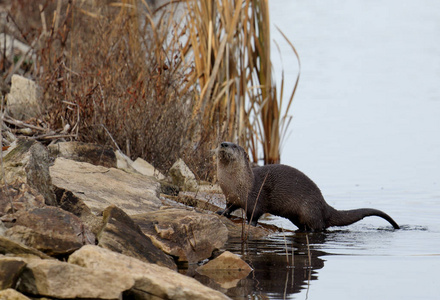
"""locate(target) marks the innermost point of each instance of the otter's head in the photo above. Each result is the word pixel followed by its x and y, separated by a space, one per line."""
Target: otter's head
pixel 234 173
pixel 230 153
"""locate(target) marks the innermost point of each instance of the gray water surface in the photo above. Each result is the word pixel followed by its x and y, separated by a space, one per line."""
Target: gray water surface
pixel 366 129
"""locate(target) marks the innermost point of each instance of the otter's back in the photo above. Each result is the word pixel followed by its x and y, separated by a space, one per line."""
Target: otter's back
pixel 285 188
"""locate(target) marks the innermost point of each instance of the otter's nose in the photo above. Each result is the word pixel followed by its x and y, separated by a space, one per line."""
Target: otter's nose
pixel 225 145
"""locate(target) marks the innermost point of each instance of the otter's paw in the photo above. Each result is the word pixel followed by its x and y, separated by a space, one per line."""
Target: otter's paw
pixel 224 212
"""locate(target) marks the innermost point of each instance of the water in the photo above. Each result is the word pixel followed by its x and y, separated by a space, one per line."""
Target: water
pixel 366 129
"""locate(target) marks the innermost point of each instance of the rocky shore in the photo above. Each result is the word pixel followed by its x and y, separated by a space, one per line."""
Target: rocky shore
pixel 83 221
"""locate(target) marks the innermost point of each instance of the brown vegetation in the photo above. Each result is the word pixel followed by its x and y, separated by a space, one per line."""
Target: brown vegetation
pixel 162 86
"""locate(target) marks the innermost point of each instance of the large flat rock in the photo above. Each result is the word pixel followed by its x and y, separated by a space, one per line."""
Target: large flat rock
pixel 58 279
pixel 151 281
pixel 186 234
pixel 100 187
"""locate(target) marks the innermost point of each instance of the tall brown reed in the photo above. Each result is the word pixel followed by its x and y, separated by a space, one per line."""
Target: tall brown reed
pixel 230 47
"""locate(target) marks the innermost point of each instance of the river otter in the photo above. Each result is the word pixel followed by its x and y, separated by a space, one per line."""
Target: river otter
pixel 280 190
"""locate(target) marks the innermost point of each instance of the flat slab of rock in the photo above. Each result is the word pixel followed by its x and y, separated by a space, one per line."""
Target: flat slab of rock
pixel 100 187
pixel 122 235
pixel 145 168
pixel 51 230
pixel 152 281
pixel 186 234
pixel 213 201
pixel 56 279
pixel 94 154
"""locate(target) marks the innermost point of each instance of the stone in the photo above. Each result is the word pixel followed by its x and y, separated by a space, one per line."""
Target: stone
pixel 23 101
pixel 169 188
pixel 236 230
pixel 186 234
pixel 201 200
pixel 124 162
pixel 226 270
pixel 10 270
pixel 94 154
pixel 122 235
pixel 99 187
pixel 2 228
pixel 29 163
pixel 19 196
pixel 56 279
pixel 182 176
pixel 152 281
pixel 144 168
pixel 51 230
pixel 10 294
pixel 226 261
pixel 71 203
pixel 11 44
pixel 8 246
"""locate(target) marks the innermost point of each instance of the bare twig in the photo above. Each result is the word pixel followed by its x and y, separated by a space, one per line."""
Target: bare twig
pixel 116 144
pixel 308 251
pixel 255 205
pixel 52 136
pixel 285 246
pixel 21 124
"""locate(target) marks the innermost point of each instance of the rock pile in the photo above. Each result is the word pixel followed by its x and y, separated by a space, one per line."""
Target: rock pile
pixel 74 225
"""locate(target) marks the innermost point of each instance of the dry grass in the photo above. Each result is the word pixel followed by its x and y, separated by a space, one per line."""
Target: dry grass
pixel 162 87
pixel 230 47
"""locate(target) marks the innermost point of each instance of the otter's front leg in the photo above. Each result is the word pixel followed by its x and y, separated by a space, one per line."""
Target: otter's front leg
pixel 230 208
pixel 253 219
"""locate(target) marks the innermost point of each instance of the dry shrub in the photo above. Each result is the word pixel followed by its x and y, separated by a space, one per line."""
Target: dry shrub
pixel 113 75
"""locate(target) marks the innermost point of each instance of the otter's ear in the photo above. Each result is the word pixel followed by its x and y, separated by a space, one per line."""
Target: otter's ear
pixel 246 156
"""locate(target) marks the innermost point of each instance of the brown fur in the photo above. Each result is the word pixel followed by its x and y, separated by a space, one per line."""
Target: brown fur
pixel 286 192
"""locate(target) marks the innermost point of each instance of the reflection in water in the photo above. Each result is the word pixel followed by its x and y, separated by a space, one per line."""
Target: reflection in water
pixel 273 275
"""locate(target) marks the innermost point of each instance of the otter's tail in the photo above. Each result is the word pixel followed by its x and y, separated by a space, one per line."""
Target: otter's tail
pixel 347 217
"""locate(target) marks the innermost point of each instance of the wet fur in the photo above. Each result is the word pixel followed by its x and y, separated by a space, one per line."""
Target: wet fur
pixel 286 192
